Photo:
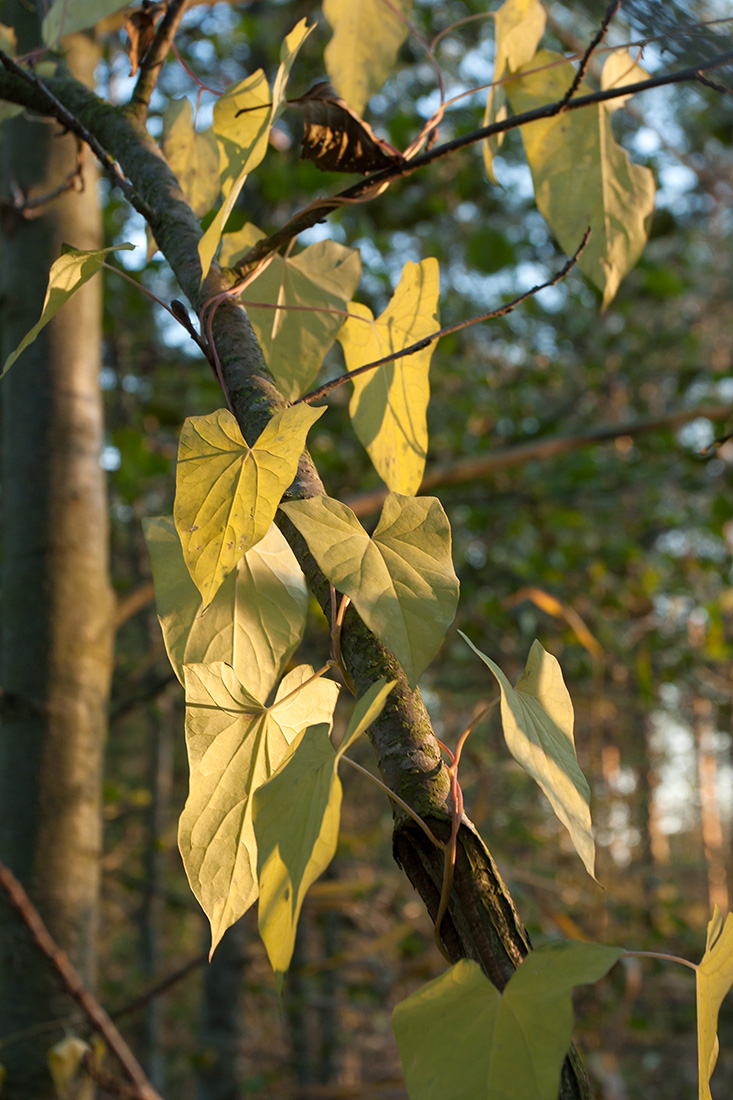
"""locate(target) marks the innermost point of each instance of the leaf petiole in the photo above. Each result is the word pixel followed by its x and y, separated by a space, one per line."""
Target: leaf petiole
pixel 400 802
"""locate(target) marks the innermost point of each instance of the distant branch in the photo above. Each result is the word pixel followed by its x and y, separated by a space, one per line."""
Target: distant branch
pixel 153 61
pixel 71 979
pixel 585 59
pixel 492 314
pixel 370 185
pixel 473 469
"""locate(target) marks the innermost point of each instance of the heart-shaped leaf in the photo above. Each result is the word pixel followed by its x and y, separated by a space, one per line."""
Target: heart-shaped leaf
pixel 67 275
pixel 318 282
pixel 234 745
pixel 193 156
pixel 537 718
pixel 366 37
pixel 296 822
pixel 459 1037
pixel 401 580
pixel 582 176
pixel 389 404
pixel 243 116
pixel 255 620
pixel 227 493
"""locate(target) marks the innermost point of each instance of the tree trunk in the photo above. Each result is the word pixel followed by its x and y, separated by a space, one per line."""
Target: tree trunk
pixel 56 632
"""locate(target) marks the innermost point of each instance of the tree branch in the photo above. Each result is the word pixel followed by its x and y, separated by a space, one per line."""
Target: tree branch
pixel 152 63
pixel 473 469
pixel 72 982
pixel 592 47
pixel 370 185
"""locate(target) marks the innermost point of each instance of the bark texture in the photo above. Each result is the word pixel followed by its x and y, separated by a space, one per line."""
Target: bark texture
pixel 56 631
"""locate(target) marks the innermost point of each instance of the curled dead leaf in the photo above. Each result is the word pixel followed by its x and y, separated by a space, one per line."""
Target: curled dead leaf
pixel 336 139
pixel 140 26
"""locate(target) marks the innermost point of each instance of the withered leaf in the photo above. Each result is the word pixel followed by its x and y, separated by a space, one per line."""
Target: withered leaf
pixel 336 139
pixel 140 26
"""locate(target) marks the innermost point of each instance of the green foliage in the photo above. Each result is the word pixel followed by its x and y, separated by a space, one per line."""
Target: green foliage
pixel 227 493
pixel 67 274
pixel 401 580
pixel 459 1037
pixel 296 823
pixel 69 16
pixel 194 157
pixel 388 407
pixel 537 718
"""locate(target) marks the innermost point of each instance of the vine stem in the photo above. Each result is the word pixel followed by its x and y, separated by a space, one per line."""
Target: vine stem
pixel 449 860
pixel 400 802
pixel 663 957
pixel 337 622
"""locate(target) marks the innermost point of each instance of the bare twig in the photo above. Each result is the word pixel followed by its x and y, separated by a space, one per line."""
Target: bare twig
pixel 585 59
pixel 73 983
pixel 161 987
pixel 28 208
pixel 153 61
pixel 110 1082
pixel 492 314
pixel 472 469
pixel 70 122
pixel 370 185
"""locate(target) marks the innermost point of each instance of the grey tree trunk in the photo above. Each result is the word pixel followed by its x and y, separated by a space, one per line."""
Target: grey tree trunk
pixel 56 621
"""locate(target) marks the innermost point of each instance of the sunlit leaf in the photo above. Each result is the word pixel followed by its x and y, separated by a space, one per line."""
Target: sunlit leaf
pixel 67 274
pixel 236 245
pixel 362 52
pixel 321 278
pixel 401 580
pixel 193 156
pixel 583 177
pixel 296 823
pixel 70 16
pixel 537 718
pixel 227 493
pixel 234 745
pixel 242 133
pixel 458 1037
pixel 621 69
pixel 389 404
pixel 255 620
pixel 519 26
pixel 65 1061
pixel 714 980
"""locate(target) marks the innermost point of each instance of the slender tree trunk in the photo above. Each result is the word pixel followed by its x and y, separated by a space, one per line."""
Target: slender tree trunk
pixel 56 632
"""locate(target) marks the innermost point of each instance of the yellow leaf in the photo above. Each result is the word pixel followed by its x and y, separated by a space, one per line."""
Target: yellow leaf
pixel 621 69
pixel 366 37
pixel 389 404
pixel 69 1077
pixel 227 493
pixel 714 980
pixel 193 156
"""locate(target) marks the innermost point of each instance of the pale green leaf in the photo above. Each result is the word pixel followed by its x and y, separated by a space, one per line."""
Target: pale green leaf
pixel 70 16
pixel 65 1066
pixel 714 979
pixel 583 177
pixel 321 279
pixel 401 580
pixel 67 274
pixel 255 620
pixel 193 157
pixel 234 745
pixel 388 407
pixel 458 1037
pixel 537 718
pixel 242 138
pixel 519 26
pixel 620 69
pixel 227 493
pixel 296 824
pixel 362 52
pixel 236 245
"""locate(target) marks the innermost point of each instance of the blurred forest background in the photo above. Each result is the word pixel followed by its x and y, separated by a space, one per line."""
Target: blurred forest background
pixel 615 550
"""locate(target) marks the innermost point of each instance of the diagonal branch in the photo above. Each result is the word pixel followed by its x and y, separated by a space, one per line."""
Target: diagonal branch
pixel 491 315
pixel 152 63
pixel 370 185
pixel 71 979
pixel 611 10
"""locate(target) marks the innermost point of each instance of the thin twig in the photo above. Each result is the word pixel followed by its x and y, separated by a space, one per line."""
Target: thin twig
pixel 70 122
pixel 492 314
pixel 29 208
pixel 71 979
pixel 152 63
pixel 110 1082
pixel 366 188
pixel 396 798
pixel 585 59
pixel 160 987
